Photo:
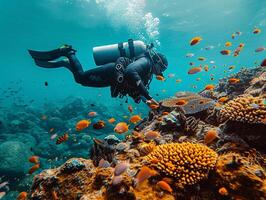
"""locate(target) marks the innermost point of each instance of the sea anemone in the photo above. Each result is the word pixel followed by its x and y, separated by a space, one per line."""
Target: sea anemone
pixel 188 163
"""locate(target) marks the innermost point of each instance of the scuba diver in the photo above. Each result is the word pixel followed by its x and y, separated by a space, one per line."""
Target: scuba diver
pixel 125 67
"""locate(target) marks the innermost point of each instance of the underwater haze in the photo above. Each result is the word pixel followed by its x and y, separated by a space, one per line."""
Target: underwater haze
pixel 39 106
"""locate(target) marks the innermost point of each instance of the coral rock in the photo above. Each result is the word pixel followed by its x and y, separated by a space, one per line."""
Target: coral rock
pixel 245 108
pixel 188 163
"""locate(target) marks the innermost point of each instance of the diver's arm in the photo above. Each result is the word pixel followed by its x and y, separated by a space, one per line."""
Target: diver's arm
pixel 133 77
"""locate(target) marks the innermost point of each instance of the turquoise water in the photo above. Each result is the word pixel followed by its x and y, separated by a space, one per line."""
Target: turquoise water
pixel 47 24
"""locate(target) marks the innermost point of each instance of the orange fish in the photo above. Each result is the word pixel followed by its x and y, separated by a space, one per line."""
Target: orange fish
pixel 223 191
pixel 178 80
pixel 22 196
pixel 181 102
pixel 233 80
pixel 222 99
pixel 165 113
pixel 54 195
pixel 194 70
pixel 165 186
pixel 62 138
pixel 151 135
pixel 92 114
pixel 168 180
pixel 195 40
pixel 263 120
pixel 34 159
pixel 160 78
pixel 134 119
pixel 121 127
pixel 206 68
pixel 144 173
pixel 228 44
pixel 225 52
pixel 99 125
pixel 201 58
pixel 210 136
pixel 111 120
pixel 34 168
pixel 82 124
pixel 256 31
pixel 209 87
pixel 154 106
pixel 241 45
pixel 130 108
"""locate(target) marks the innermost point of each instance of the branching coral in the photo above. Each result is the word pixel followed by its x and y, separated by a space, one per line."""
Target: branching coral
pixel 188 163
pixel 246 109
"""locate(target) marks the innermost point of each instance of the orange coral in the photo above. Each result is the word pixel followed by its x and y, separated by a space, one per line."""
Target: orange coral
pixel 246 109
pixel 187 162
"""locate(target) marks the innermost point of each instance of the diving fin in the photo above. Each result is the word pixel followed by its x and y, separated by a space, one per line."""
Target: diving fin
pixel 52 64
pixel 53 54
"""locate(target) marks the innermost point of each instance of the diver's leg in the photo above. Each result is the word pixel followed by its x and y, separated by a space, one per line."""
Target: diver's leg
pixel 51 55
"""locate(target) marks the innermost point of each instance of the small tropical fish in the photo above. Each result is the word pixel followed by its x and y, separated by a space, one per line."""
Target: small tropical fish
pixel 62 138
pixel 211 78
pixel 134 119
pixel 34 159
pixel 130 108
pixel 117 180
pixel 171 75
pixel 151 135
pixel 209 87
pixel 238 33
pixel 178 80
pixel 168 180
pixel 231 67
pixel 99 125
pixel 46 83
pixel 197 79
pixel 225 52
pixel 195 40
pixel 92 114
pixel 223 191
pixel 120 168
pixel 154 106
pixel 189 55
pixel 212 62
pixel 160 78
pixel 164 90
pixel 3 184
pixel 222 99
pixel 104 163
pixel 181 102
pixel 233 36
pixel 201 58
pixel 43 117
pixel 53 136
pixel 82 124
pixel 206 68
pixel 144 173
pixel 256 31
pixel 241 45
pixel 111 120
pixel 2 194
pixel 34 168
pixel 165 186
pixel 260 49
pixel 194 70
pixel 254 105
pixel 210 136
pixel 121 127
pixel 233 80
pixel 228 44
pixel 125 116
pixel 165 113
pixel 263 63
pixel 51 130
pixel 54 195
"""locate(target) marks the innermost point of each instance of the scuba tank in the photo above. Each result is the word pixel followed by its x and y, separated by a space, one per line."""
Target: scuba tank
pixel 110 53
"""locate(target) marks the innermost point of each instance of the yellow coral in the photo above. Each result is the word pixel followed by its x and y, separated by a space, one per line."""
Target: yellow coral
pixel 188 163
pixel 246 108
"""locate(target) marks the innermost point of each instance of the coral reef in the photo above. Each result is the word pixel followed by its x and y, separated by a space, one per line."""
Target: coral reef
pixel 188 163
pixel 247 109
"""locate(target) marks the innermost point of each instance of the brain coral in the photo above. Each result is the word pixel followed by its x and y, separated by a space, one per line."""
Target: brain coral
pixel 246 109
pixel 188 163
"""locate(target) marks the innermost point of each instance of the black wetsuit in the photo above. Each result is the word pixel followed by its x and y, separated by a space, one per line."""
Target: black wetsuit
pixel 136 75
